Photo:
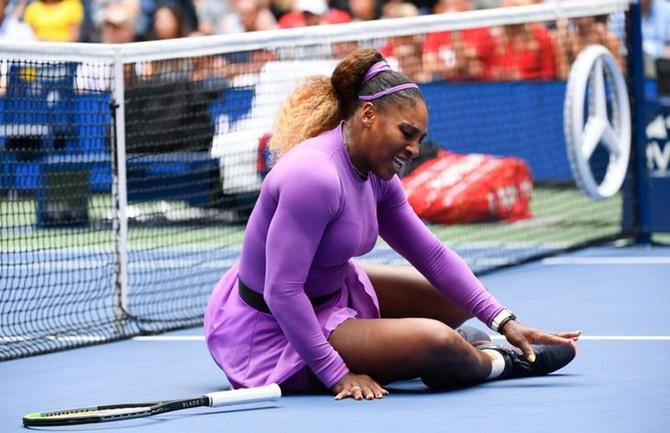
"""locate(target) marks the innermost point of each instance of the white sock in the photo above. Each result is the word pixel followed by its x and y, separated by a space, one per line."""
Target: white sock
pixel 497 363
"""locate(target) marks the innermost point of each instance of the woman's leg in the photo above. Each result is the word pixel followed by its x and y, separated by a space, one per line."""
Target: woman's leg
pixel 398 349
pixel 404 292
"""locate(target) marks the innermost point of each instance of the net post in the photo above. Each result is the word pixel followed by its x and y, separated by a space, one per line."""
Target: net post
pixel 120 195
pixel 640 192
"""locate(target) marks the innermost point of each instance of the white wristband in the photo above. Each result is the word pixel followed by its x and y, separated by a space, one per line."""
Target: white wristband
pixel 501 318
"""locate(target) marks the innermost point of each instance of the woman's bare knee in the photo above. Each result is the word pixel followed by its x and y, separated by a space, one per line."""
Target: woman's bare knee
pixel 441 344
pixel 450 360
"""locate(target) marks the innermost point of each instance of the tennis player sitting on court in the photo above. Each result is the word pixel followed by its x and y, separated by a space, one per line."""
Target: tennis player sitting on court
pixel 298 311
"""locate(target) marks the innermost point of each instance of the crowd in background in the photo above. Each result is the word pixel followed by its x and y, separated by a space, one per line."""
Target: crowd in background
pixel 525 51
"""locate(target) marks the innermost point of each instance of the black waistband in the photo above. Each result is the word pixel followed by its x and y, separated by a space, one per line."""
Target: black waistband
pixel 256 301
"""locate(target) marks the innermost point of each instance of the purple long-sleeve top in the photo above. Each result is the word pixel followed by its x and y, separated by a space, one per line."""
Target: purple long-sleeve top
pixel 314 213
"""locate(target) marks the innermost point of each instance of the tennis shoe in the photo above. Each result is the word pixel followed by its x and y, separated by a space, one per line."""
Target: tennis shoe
pixel 548 358
pixel 473 335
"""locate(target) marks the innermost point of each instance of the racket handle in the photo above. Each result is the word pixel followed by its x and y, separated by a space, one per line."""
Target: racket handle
pixel 246 395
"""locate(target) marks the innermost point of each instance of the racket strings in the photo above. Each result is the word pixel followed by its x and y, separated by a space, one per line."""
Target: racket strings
pixel 92 411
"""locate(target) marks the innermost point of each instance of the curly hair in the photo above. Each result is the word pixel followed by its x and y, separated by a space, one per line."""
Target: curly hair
pixel 319 103
pixel 311 109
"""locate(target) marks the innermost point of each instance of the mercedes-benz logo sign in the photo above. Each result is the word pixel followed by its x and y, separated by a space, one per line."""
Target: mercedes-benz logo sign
pixel 595 79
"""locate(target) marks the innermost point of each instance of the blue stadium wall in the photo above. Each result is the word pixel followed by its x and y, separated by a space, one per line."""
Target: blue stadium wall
pixel 520 118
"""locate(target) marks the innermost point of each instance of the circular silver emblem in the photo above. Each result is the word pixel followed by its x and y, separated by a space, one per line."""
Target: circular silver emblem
pixel 596 112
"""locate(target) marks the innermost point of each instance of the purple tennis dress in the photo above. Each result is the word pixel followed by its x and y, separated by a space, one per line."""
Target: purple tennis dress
pixel 313 215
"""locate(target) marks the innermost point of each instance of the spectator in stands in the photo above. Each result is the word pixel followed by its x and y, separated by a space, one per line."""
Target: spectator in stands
pixel 212 15
pixel 118 24
pixel 280 7
pixel 183 10
pixel 365 10
pixel 459 55
pixel 655 37
pixel 312 13
pixel 399 9
pixel 575 35
pixel 390 7
pixel 306 13
pixel 11 29
pixel 446 6
pixel 246 16
pixel 406 50
pixel 87 30
pixel 425 6
pixel 522 51
pixel 11 26
pixel 55 20
pixel 141 11
pixel 243 16
pixel 655 32
pixel 656 28
pixel 254 16
pixel 168 22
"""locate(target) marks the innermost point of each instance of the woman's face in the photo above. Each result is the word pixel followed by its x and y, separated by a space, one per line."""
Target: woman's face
pixel 166 24
pixel 248 12
pixel 363 10
pixel 393 135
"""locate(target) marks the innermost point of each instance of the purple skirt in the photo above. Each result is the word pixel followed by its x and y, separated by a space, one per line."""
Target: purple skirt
pixel 250 347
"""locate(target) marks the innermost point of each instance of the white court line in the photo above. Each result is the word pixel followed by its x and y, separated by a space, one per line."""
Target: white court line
pixel 170 338
pixel 658 260
pixel 612 337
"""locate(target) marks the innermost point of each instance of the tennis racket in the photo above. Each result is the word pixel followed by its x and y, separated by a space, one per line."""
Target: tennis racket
pixel 116 412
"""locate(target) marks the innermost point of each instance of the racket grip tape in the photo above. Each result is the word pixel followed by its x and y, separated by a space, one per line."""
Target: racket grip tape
pixel 246 395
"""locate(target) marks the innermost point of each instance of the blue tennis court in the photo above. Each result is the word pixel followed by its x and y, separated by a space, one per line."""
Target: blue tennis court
pixel 618 382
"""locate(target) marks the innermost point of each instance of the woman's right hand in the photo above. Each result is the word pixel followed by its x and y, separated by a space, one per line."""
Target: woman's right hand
pixel 523 336
pixel 358 386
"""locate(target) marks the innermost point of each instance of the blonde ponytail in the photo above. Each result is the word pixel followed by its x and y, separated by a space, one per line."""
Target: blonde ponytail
pixel 310 110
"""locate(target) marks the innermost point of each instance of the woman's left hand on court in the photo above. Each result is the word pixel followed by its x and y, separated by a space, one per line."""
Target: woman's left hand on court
pixel 523 336
pixel 359 387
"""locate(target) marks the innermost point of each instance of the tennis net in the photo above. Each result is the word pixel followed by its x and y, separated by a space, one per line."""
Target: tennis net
pixel 128 171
